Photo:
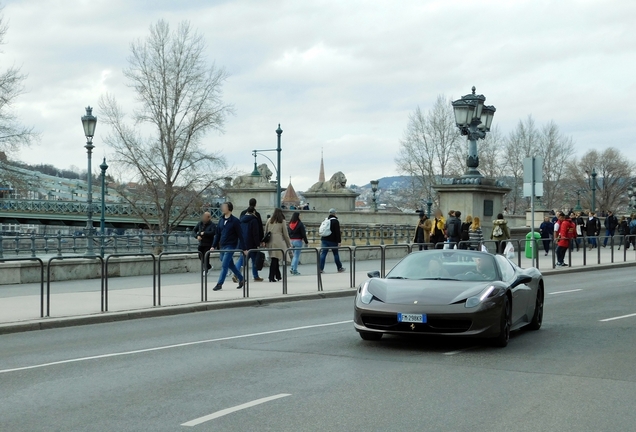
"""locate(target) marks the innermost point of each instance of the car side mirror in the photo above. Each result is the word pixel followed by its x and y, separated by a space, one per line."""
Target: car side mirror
pixel 373 274
pixel 521 280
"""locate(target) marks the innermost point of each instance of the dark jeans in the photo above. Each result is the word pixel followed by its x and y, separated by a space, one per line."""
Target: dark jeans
pixel 546 244
pixel 326 247
pixel 252 257
pixel 560 253
pixel 202 250
pixel 608 233
pixel 227 261
pixel 274 270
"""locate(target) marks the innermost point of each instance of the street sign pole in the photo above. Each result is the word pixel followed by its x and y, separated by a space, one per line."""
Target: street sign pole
pixel 532 187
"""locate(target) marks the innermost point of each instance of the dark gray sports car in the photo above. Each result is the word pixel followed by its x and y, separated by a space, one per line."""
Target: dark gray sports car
pixel 451 293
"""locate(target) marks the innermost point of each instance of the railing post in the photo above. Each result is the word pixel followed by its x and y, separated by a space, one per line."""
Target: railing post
pixel 17 245
pixel 368 235
pixel 353 236
pixel 141 242
pixel 165 241
pixel 59 243
pixel 32 245
pixel 395 235
pixel 381 235
pixel 1 247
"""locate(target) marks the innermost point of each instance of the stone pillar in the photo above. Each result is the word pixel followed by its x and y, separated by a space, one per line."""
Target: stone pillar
pixel 265 198
pixel 323 201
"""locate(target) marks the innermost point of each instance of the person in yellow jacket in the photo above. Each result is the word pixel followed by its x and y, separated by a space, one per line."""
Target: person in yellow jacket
pixel 437 230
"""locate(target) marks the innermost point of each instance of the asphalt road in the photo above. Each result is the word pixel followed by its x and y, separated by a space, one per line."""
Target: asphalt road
pixel 576 374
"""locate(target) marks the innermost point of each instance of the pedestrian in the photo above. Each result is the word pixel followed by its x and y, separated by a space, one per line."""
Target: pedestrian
pixel 330 240
pixel 204 233
pixel 580 228
pixel 228 236
pixel 423 231
pixel 278 239
pixel 500 232
pixel 298 237
pixel 546 230
pixel 611 222
pixel 465 232
pixel 567 232
pixel 632 231
pixel 252 237
pixel 623 231
pixel 592 229
pixel 454 228
pixel 476 235
pixel 252 203
pixel 437 228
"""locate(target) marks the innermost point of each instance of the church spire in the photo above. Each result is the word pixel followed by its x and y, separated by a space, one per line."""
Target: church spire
pixel 321 175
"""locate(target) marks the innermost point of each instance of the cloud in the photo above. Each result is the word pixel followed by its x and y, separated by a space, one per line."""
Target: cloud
pixel 342 76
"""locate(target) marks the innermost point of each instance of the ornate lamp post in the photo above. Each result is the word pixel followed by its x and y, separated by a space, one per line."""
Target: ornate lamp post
pixel 473 119
pixel 374 188
pixel 578 201
pixel 631 193
pixel 278 151
pixel 102 220
pixel 593 187
pixel 89 121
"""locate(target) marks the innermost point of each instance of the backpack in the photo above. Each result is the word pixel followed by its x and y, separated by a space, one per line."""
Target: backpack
pixel 632 227
pixel 325 228
pixel 454 228
pixel 497 231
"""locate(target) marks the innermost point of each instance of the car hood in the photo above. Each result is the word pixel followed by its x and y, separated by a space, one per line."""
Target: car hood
pixel 428 292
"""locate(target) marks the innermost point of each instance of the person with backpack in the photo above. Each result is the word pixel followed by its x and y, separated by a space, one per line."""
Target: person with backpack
pixel 298 236
pixel 252 237
pixel 592 229
pixel 567 233
pixel 611 223
pixel 623 231
pixel 546 230
pixel 453 228
pixel 330 239
pixel 437 228
pixel 465 233
pixel 500 232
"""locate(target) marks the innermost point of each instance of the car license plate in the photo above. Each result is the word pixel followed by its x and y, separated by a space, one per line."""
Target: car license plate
pixel 412 318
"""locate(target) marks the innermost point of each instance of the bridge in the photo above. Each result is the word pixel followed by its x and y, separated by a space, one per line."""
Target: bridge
pixel 73 213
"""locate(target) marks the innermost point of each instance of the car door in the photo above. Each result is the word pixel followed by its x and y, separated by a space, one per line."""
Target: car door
pixel 520 294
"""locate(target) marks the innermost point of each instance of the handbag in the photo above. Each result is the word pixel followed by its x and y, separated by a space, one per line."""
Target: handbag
pixel 267 237
pixel 260 261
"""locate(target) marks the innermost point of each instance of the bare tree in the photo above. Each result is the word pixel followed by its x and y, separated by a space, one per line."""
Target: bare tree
pixel 431 146
pixel 180 100
pixel 522 142
pixel 614 171
pixel 491 154
pixel 13 134
pixel 557 150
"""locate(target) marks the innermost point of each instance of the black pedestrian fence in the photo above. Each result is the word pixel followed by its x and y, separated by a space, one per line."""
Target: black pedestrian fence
pixel 306 251
pixel 159 257
pixel 41 263
pixel 421 246
pixel 219 253
pixel 396 247
pixel 357 249
pixel 78 257
pixel 123 255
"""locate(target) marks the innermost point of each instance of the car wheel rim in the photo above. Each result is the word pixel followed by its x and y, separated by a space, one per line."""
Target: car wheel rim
pixel 540 307
pixel 506 328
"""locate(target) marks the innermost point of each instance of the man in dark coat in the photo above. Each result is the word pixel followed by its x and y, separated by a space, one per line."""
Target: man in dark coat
pixel 252 203
pixel 204 233
pixel 252 238
pixel 611 222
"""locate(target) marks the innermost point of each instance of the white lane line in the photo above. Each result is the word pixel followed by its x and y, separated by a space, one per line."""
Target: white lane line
pixel 563 292
pixel 450 353
pixel 618 317
pixel 227 411
pixel 165 347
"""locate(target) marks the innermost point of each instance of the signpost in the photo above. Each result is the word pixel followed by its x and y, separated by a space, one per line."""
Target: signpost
pixel 532 187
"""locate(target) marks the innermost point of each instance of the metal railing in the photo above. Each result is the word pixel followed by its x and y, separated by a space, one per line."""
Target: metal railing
pixel 123 255
pixel 80 257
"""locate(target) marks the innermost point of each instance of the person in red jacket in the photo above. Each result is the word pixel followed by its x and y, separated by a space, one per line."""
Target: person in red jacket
pixel 567 232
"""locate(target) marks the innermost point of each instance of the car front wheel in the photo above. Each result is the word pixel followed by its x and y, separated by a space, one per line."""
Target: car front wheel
pixel 537 319
pixel 505 323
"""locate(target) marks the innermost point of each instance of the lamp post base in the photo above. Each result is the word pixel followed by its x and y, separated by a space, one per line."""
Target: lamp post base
pixel 472 173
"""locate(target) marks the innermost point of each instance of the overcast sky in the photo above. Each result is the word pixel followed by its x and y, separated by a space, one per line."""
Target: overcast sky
pixel 338 75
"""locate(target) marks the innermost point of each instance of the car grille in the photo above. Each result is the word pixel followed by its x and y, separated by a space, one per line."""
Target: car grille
pixel 434 324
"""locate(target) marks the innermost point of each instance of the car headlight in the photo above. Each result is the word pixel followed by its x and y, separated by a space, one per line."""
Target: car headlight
pixel 477 300
pixel 365 295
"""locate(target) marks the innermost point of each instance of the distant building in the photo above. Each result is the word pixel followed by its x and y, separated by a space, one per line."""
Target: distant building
pixel 291 198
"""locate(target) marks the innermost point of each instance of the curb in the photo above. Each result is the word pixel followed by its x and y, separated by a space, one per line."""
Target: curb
pixel 106 317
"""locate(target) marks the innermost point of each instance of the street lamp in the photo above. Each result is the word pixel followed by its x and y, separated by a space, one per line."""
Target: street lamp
pixel 578 201
pixel 89 121
pixel 593 186
pixel 102 220
pixel 473 119
pixel 631 193
pixel 374 188
pixel 278 151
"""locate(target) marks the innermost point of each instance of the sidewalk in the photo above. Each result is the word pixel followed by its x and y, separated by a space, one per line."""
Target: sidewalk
pixel 77 302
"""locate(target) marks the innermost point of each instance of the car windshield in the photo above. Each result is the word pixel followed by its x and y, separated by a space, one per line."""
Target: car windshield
pixel 446 265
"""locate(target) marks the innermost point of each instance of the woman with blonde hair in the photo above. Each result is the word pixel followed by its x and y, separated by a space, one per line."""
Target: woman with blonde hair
pixel 438 227
pixel 475 234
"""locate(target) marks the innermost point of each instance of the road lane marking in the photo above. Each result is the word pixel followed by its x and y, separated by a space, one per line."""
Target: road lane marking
pixel 563 292
pixel 165 347
pixel 450 353
pixel 618 317
pixel 227 411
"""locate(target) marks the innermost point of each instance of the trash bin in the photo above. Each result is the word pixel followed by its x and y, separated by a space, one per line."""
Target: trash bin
pixel 532 246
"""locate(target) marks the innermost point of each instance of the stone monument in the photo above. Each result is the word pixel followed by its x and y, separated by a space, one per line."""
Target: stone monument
pixel 332 193
pixel 242 188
